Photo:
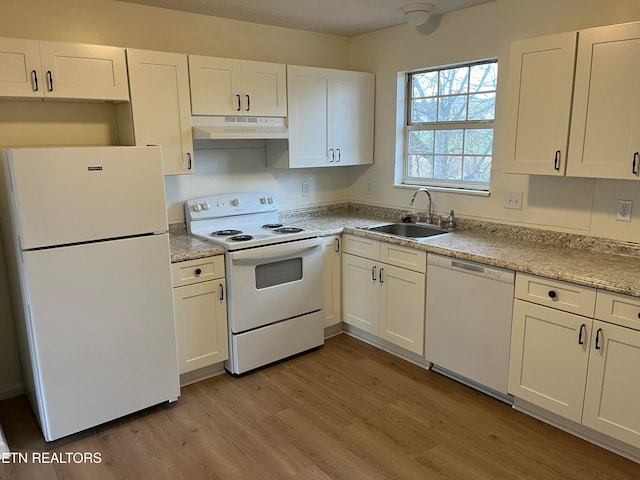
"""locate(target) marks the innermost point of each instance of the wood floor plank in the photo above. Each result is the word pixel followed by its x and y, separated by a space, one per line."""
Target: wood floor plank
pixel 345 411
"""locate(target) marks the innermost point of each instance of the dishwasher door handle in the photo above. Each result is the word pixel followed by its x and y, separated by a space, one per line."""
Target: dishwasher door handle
pixel 467 266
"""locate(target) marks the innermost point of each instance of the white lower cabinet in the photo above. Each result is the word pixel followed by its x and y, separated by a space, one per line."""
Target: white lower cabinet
pixel 548 366
pixel 332 280
pixel 578 367
pixel 379 296
pixel 200 313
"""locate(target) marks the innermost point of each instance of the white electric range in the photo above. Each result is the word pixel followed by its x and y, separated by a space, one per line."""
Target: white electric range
pixel 273 273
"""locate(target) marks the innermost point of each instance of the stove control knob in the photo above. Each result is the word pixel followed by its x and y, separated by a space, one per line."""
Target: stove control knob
pixel 235 202
pixel 263 200
pixel 270 200
pixel 205 205
pixel 196 207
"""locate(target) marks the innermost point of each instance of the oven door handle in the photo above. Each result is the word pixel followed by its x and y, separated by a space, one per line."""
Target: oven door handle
pixel 273 253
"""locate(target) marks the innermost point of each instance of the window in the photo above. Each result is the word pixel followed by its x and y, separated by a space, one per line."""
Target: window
pixel 449 126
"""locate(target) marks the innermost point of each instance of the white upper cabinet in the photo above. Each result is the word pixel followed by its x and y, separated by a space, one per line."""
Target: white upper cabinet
pixel 35 69
pixel 604 140
pixel 160 106
pixel 330 119
pixel 599 98
pixel 540 86
pixel 225 86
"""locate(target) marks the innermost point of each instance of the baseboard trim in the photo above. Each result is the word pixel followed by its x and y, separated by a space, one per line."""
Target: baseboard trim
pixel 12 391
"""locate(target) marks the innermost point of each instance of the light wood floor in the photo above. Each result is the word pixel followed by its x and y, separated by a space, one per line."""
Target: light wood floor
pixel 345 411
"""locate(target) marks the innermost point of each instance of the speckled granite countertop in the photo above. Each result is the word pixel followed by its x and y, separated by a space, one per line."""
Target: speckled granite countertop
pixel 612 266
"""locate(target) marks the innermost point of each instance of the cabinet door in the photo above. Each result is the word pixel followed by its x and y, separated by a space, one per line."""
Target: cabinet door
pixel 264 89
pixel 332 281
pixel 351 103
pixel 540 87
pixel 160 106
pixel 201 324
pixel 604 141
pixel 216 87
pixel 402 304
pixel 20 68
pixel 549 356
pixel 307 94
pixel 613 384
pixel 78 71
pixel 360 291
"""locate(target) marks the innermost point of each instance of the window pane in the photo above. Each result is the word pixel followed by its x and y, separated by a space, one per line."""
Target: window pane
pixel 424 84
pixel 420 166
pixel 449 141
pixel 477 169
pixel 452 109
pixel 483 77
pixel 421 141
pixel 424 110
pixel 482 106
pixel 478 142
pixel 449 131
pixel 454 80
pixel 448 168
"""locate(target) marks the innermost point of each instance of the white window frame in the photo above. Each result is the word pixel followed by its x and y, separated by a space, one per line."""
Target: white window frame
pixel 403 127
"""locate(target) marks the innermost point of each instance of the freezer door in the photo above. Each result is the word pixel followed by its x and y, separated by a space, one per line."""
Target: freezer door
pixel 71 195
pixel 102 331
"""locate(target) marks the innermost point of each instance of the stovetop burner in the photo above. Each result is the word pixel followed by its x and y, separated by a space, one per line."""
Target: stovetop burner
pixel 272 225
pixel 240 238
pixel 288 230
pixel 226 233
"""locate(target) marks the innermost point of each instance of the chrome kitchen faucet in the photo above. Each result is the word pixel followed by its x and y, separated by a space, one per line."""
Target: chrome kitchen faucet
pixel 413 203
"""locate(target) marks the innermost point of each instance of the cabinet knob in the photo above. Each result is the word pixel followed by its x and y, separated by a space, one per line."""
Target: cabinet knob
pixel 552 294
pixel 198 272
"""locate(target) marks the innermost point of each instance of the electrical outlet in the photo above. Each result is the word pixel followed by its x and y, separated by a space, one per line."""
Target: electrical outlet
pixel 513 200
pixel 369 186
pixel 624 211
pixel 305 189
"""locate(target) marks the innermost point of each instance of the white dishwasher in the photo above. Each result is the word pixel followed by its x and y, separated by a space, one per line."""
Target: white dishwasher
pixel 468 321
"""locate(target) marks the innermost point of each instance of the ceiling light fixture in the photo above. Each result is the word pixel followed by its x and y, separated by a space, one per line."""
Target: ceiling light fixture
pixel 417 13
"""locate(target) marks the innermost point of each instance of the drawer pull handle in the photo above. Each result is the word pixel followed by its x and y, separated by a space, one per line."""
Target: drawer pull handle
pixel 380 275
pixel 221 292
pixel 198 272
pixel 638 314
pixel 552 294
pixel 598 334
pixel 583 328
pixel 556 161
pixel 373 273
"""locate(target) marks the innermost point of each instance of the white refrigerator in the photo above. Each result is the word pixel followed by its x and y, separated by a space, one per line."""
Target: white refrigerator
pixel 87 248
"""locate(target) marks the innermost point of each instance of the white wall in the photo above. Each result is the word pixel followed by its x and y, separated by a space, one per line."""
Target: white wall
pixel 583 206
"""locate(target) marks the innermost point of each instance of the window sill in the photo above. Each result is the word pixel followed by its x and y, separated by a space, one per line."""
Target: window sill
pixel 476 193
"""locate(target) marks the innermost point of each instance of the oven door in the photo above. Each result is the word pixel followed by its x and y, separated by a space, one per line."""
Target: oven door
pixel 273 283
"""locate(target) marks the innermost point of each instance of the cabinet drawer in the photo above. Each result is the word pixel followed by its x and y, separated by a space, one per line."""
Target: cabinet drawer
pixel 403 257
pixel 620 309
pixel 195 271
pixel 363 247
pixel 555 294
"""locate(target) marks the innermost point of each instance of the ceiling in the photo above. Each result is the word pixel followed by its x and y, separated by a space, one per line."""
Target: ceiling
pixel 341 17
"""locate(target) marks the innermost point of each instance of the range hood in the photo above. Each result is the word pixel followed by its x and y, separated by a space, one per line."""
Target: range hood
pixel 230 127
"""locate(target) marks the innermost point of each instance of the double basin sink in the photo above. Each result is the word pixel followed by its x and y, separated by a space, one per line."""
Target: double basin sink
pixel 407 230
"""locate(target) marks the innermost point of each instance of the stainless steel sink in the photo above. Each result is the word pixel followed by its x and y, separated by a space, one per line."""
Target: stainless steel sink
pixel 407 230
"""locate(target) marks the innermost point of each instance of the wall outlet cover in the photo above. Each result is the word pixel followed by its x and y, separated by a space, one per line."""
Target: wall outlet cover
pixel 624 211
